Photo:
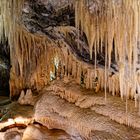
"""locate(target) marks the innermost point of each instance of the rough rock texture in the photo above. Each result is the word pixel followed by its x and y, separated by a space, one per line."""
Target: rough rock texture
pixel 95 101
pixel 27 98
pixel 35 132
pixel 14 135
pixel 47 52
pixel 45 45
pixel 14 110
pixel 79 120
pixel 44 21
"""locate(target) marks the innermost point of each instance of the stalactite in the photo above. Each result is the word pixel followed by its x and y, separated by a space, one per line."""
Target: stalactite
pixel 10 14
pixel 95 50
pixel 105 87
pixel 79 74
pixel 118 23
pixel 110 23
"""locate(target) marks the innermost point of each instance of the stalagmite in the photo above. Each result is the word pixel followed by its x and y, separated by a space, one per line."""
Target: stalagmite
pixel 21 98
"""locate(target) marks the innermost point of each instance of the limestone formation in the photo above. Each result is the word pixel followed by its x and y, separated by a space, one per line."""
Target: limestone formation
pixel 33 132
pixel 75 120
pixel 26 99
pixel 21 98
pixel 91 45
pixel 37 132
pixel 13 135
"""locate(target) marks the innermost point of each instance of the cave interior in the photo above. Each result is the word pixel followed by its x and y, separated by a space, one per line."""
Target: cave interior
pixel 70 70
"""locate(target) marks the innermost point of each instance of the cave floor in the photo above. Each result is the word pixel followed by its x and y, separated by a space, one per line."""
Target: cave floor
pixel 110 113
pixel 14 110
pixel 114 107
pixel 113 111
pixel 22 114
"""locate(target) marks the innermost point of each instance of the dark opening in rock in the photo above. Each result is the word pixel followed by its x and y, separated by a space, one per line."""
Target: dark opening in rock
pixel 4 68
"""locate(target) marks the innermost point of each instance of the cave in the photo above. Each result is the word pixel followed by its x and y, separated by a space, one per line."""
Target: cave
pixel 69 69
pixel 4 68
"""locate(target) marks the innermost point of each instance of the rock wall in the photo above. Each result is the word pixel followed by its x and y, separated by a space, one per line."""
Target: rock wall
pixel 44 59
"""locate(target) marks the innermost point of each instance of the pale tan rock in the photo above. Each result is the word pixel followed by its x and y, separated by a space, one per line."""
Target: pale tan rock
pixel 13 135
pixel 55 112
pixel 33 132
pixel 37 132
pixel 26 99
pixel 21 98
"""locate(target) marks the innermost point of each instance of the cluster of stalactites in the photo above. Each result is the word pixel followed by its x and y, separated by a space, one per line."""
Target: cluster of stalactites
pixel 9 17
pixel 111 24
pixel 39 60
pixel 115 25
pixel 36 57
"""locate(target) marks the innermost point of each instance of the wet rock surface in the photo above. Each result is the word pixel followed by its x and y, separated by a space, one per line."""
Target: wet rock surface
pixel 83 112
pixel 48 35
pixel 46 18
pixel 35 132
pixel 16 123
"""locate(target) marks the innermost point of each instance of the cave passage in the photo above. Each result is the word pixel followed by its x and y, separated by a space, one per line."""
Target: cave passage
pixel 72 67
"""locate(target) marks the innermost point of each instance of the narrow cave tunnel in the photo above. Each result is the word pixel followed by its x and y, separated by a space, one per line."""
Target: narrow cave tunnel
pixel 70 69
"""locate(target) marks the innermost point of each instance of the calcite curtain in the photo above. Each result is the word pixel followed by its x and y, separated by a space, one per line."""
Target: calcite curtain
pixel 110 23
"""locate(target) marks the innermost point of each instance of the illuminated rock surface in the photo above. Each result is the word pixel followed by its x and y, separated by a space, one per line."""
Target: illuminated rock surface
pixel 77 63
